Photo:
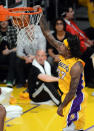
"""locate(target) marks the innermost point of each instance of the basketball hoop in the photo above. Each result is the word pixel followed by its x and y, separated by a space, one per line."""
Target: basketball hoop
pixel 25 19
pixel 4 13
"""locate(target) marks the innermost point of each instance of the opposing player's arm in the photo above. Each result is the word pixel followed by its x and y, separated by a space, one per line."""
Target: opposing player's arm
pixel 75 72
pixel 47 33
pixel 47 78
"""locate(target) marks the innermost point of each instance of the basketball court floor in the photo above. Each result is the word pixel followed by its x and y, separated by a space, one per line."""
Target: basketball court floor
pixel 44 117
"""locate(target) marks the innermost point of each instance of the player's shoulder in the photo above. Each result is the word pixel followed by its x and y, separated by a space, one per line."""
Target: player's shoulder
pixel 78 64
pixel 77 67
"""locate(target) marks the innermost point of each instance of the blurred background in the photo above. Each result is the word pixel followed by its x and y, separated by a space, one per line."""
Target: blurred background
pixel 84 9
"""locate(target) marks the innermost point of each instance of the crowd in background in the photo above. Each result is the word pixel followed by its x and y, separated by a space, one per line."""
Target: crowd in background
pixel 17 55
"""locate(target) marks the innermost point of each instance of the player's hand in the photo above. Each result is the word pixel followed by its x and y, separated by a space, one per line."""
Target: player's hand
pixel 36 7
pixel 60 111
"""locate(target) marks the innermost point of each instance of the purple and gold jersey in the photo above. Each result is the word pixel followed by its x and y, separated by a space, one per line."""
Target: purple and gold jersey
pixel 74 111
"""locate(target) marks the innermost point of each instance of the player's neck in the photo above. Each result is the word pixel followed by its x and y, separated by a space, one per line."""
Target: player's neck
pixel 68 56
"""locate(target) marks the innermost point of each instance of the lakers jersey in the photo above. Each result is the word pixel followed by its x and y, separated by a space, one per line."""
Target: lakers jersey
pixel 74 111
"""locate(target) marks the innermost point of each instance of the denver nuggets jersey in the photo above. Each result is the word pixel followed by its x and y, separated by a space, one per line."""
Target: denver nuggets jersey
pixel 74 111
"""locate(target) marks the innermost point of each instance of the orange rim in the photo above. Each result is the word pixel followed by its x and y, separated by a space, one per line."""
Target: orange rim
pixel 4 13
pixel 13 11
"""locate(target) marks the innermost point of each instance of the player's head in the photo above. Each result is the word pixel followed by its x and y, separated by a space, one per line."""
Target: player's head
pixel 70 47
pixel 3 24
pixel 40 56
pixel 68 13
pixel 60 25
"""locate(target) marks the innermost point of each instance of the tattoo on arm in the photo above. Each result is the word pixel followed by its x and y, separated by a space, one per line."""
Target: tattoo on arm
pixel 44 24
pixel 76 71
pixel 47 33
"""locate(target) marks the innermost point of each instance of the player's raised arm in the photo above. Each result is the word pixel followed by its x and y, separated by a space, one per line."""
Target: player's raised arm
pixel 47 33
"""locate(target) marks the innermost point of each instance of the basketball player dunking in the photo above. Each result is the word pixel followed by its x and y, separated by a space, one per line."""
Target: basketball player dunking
pixel 71 80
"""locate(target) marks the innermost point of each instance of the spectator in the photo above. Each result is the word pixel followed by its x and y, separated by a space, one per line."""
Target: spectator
pixel 26 50
pixel 60 34
pixel 41 84
pixel 71 27
pixel 8 49
pixel 86 45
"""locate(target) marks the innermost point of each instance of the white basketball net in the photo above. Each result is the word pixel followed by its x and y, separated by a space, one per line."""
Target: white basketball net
pixel 26 23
